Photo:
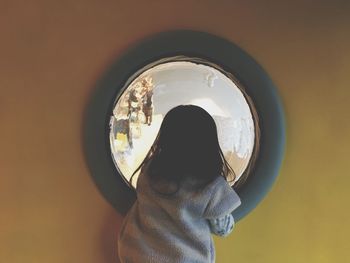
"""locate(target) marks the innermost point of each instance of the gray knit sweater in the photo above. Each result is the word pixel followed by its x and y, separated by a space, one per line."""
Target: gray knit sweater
pixel 178 228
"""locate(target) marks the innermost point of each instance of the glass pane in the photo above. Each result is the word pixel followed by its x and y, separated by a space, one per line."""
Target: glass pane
pixel 139 112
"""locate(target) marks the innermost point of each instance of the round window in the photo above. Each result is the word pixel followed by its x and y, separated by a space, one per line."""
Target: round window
pixel 172 68
pixel 140 108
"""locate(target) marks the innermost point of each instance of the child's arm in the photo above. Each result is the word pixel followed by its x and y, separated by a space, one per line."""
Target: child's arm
pixel 222 226
pixel 222 200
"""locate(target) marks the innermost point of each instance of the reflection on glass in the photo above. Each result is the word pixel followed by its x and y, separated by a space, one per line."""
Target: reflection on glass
pixel 139 112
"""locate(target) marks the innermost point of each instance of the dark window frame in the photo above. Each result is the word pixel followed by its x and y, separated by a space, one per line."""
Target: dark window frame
pixel 205 47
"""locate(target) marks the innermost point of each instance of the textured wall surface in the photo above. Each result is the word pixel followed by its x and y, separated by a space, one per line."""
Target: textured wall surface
pixel 53 52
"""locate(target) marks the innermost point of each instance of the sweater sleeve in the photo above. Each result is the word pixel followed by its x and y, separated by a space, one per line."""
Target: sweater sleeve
pixel 222 199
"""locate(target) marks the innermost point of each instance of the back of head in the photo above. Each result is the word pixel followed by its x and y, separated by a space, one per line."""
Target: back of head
pixel 186 146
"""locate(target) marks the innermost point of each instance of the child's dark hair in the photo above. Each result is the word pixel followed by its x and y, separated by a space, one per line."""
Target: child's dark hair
pixel 187 145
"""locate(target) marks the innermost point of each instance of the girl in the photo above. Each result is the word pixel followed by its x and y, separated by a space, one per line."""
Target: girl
pixel 182 194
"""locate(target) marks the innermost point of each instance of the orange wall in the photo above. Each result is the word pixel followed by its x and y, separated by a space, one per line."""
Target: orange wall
pixel 52 53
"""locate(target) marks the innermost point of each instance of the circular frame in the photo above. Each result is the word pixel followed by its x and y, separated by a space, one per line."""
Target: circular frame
pixel 232 78
pixel 217 50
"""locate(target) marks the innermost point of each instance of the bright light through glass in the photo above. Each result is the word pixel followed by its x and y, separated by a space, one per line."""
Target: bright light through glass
pixel 139 112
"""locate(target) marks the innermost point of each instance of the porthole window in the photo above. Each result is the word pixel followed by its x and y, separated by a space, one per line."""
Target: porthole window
pixel 171 68
pixel 142 105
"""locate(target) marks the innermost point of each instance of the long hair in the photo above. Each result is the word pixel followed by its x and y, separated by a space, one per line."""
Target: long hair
pixel 187 145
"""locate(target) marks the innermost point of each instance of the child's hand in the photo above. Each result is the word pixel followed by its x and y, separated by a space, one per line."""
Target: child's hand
pixel 222 226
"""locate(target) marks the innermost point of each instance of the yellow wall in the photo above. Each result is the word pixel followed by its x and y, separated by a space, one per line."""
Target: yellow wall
pixel 52 53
